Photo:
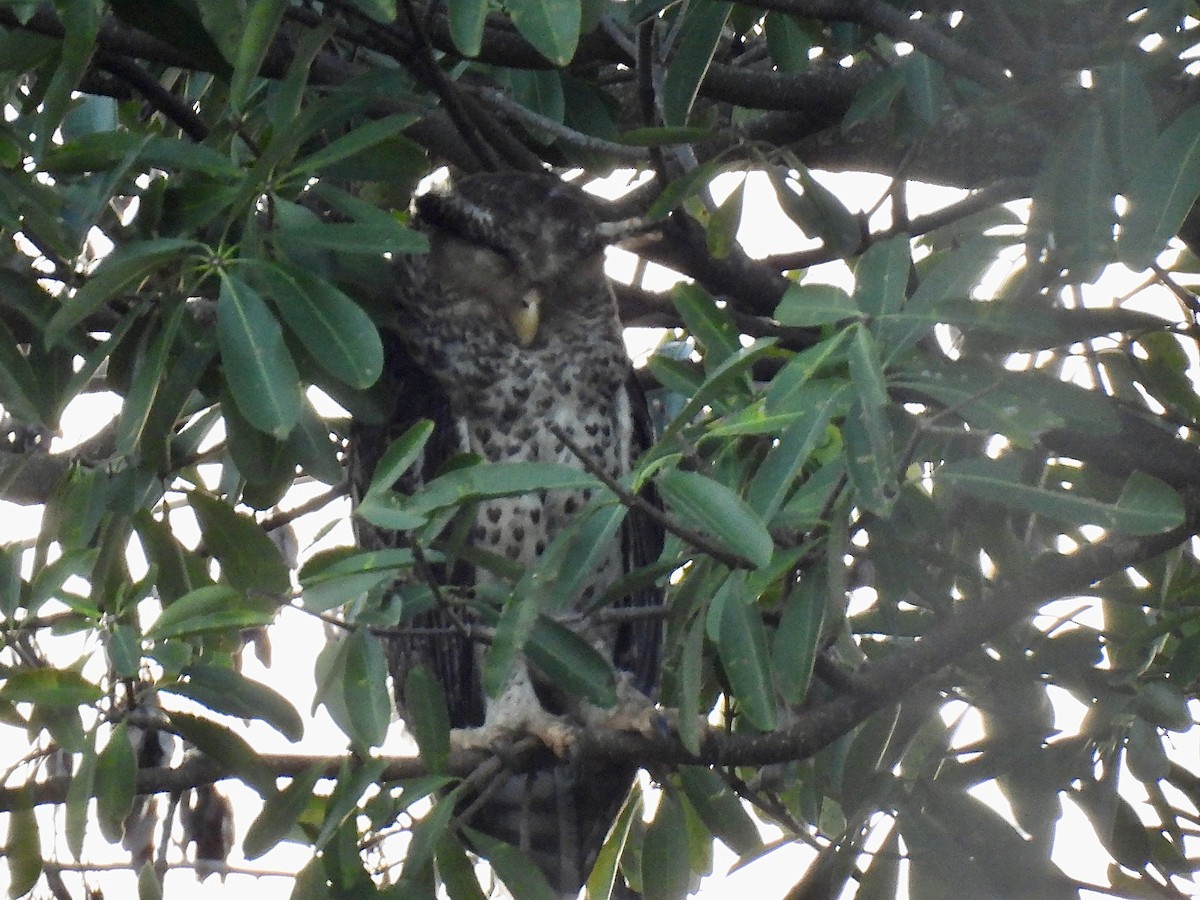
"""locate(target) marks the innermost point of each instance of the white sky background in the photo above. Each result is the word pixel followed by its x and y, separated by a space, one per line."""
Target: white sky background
pixel 297 638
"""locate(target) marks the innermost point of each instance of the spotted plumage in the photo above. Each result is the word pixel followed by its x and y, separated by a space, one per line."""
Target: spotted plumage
pixel 506 335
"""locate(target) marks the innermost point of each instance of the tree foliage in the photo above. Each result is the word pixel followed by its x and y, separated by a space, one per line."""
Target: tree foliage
pixel 924 472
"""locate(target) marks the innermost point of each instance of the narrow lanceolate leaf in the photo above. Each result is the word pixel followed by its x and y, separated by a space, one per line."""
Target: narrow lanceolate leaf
pixel 512 867
pixel 232 693
pixel 249 559
pixel 666 871
pixel 258 367
pixel 871 457
pixel 723 225
pixel 23 846
pixel 226 748
pixel 373 238
pixel 335 331
pixel 703 21
pixel 262 21
pixel 1164 186
pixel 742 645
pixel 116 776
pixel 700 501
pixel 797 638
pixel 1146 505
pixel 427 718
pixel 79 794
pixel 866 369
pixel 49 687
pixel 399 457
pixel 483 482
pixel 214 607
pixel 361 138
pixel 364 689
pixel 552 26
pixel 280 812
pixel 120 269
pixel 570 662
pixel 720 809
pixel 881 277
pixel 815 304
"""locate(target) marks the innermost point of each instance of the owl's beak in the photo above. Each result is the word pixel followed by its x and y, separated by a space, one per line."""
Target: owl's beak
pixel 525 316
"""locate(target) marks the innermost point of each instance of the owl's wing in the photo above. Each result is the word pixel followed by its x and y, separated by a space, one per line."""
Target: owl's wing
pixel 430 638
pixel 639 643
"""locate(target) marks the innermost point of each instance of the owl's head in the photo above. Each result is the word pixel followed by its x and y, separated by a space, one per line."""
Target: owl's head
pixel 527 246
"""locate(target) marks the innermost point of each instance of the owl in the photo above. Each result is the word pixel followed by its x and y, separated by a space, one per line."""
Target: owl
pixel 506 335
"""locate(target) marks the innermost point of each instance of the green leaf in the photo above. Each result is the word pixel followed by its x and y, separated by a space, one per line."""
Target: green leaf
pixel 120 269
pixel 778 472
pixel 19 389
pixel 708 323
pixel 249 559
pixel 805 305
pixel 457 870
pixel 364 689
pixel 569 662
pixel 484 482
pixel 720 809
pixel 663 136
pixel 700 501
pixel 513 868
pixel 466 25
pixel 666 871
pixel 115 782
pixel 1128 111
pixel 866 369
pixel 552 26
pixel 881 277
pixel 742 646
pixel 280 812
pixel 787 41
pixel 924 86
pixel 604 873
pixel 262 21
pixel 215 607
pixel 427 718
pixel 79 795
pixel 226 691
pixel 258 367
pixel 81 23
pixel 147 377
pixel 335 331
pixel 696 42
pixel 176 24
pixel 50 687
pixel 875 98
pixel 23 846
pixel 871 457
pixel 797 640
pixel 373 238
pixel 685 186
pixel 723 224
pixel 1146 505
pixel 354 142
pixel 400 456
pixel 1165 184
pixel 226 748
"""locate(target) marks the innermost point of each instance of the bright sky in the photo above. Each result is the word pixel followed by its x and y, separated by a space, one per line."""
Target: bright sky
pixel 297 638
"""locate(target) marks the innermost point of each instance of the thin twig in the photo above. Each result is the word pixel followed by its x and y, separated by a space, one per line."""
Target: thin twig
pixel 696 539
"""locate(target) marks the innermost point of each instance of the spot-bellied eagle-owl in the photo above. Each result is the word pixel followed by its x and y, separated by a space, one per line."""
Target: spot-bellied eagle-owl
pixel 506 336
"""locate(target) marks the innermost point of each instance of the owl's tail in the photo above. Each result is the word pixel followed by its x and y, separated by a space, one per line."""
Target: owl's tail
pixel 559 817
